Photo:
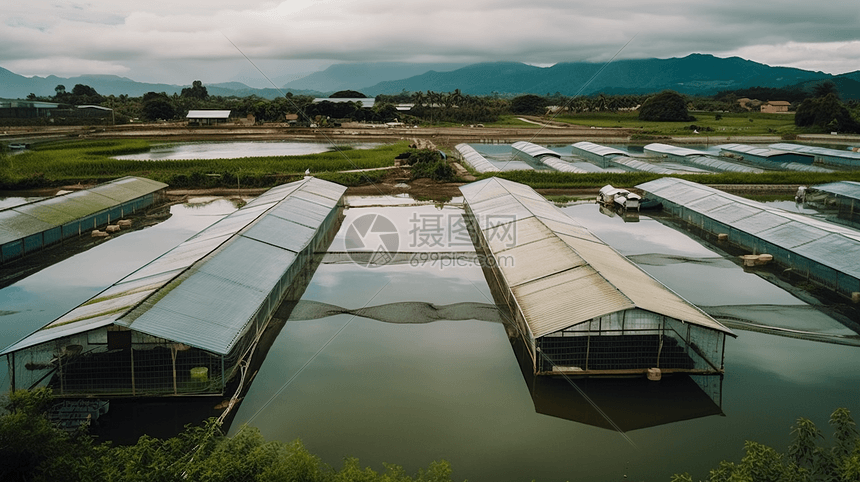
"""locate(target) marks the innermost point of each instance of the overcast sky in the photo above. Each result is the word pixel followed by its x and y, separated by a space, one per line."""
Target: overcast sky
pixel 178 41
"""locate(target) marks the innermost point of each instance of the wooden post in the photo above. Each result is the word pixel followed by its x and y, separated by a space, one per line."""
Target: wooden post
pixel 173 359
pixel 131 354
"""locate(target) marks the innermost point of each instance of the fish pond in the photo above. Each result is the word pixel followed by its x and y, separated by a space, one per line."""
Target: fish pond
pixel 407 361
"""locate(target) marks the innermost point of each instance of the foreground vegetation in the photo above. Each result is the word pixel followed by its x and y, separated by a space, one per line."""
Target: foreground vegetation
pixel 31 448
pixel 807 459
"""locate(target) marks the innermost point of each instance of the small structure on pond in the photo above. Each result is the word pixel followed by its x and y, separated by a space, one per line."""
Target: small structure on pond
pixel 581 307
pixel 184 323
pixel 30 227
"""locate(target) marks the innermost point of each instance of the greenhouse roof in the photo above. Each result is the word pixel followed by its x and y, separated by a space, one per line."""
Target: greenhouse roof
pixel 658 148
pixel 598 149
pixel 475 159
pixel 831 245
pixel 820 151
pixel 560 273
pixel 205 292
pixel 533 150
pixel 849 189
pixel 26 219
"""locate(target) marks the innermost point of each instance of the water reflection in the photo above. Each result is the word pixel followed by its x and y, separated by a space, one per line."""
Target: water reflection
pixel 231 150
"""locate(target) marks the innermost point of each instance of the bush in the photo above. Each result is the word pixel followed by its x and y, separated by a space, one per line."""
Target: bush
pixel 667 106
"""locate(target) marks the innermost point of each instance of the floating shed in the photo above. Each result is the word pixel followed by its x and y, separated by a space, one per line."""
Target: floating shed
pixel 608 157
pixel 182 323
pixel 32 226
pixel 843 195
pixel 764 154
pixel 474 159
pixel 823 155
pixel 581 307
pixel 547 157
pixel 595 152
pixel 823 253
pixel 698 158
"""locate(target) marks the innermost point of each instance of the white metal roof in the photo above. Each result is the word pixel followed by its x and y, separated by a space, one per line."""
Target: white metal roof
pixel 208 114
pixel 597 149
pixel 804 235
pixel 533 150
pixel 560 273
pixel 475 159
pixel 658 148
pixel 819 151
pixel 205 291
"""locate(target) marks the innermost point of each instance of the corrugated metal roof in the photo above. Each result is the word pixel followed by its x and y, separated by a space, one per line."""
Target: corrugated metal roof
pixel 475 159
pixel 24 220
pixel 208 114
pixel 787 230
pixel 204 292
pixel 561 274
pixel 593 148
pixel 819 151
pixel 533 150
pixel 658 148
pixel 557 302
pixel 849 189
pixel 645 166
pixel 720 165
pixel 563 166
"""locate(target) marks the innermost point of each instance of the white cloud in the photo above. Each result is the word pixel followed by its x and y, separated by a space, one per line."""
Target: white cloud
pixel 116 35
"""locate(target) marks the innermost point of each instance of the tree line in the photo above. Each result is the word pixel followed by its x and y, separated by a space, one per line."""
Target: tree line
pixel 819 109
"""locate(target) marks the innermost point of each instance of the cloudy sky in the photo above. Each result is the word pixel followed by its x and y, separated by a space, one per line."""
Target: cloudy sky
pixel 177 41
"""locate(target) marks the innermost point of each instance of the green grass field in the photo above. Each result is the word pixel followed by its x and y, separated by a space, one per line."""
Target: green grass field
pixel 85 161
pixel 69 162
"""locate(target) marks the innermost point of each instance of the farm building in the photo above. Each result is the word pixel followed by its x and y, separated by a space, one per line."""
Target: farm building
pixel 183 323
pixel 775 106
pixel 843 195
pixel 763 154
pixel 581 307
pixel 823 155
pixel 30 227
pixel 822 253
pixel 207 117
pixel 698 158
pixel 474 159
pixel 26 109
pixel 542 155
pixel 595 152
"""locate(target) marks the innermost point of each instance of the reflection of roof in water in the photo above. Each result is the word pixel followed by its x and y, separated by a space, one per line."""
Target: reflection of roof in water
pixel 630 403
pixel 622 403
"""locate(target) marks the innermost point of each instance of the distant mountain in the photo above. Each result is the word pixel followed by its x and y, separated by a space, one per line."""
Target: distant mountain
pixel 357 76
pixel 695 74
pixel 14 86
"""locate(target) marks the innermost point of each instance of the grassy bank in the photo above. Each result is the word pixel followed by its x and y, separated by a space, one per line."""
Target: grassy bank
pixel 708 123
pixel 70 162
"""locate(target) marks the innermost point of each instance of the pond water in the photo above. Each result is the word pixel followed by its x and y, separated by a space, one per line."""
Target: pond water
pixel 394 386
pixel 415 366
pixel 232 150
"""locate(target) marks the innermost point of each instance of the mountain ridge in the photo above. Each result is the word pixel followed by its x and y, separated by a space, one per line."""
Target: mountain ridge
pixel 695 74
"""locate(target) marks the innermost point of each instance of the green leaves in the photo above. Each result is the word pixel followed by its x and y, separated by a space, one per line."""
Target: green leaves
pixel 806 459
